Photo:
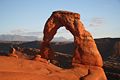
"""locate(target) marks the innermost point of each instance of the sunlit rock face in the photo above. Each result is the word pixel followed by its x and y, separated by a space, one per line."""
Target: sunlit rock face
pixel 85 51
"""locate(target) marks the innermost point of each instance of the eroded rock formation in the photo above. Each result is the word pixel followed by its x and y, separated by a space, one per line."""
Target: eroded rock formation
pixel 85 51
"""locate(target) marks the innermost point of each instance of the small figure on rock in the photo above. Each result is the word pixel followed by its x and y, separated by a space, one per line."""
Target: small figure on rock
pixel 13 52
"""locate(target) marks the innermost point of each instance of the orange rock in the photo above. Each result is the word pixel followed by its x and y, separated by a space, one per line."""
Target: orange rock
pixel 38 58
pixel 85 51
pixel 23 69
pixel 94 73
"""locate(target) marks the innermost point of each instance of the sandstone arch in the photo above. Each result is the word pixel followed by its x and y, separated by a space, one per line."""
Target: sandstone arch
pixel 85 51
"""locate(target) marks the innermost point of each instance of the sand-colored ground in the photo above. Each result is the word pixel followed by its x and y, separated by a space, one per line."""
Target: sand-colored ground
pixel 22 69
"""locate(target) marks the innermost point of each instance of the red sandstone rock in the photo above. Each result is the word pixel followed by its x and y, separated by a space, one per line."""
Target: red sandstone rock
pixel 38 58
pixel 85 52
pixel 94 73
pixel 22 69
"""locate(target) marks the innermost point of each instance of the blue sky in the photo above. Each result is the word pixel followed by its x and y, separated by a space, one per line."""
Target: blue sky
pixel 100 17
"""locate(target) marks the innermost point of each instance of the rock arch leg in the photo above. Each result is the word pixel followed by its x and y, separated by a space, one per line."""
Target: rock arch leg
pixel 49 32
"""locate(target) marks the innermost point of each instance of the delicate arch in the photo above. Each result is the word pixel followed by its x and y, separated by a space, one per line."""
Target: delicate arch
pixel 85 48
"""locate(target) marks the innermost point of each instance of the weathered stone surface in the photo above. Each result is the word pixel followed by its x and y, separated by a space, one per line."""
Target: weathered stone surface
pixel 85 51
pixel 22 69
pixel 94 73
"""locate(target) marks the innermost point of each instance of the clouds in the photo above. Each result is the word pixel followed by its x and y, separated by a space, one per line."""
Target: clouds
pixel 97 22
pixel 25 32
pixel 18 31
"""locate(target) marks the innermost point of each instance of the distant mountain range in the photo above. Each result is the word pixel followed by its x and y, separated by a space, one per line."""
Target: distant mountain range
pixel 28 38
pixel 17 38
pixel 59 39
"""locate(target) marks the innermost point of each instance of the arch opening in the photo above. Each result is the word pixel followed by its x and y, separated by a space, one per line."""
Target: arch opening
pixel 62 47
pixel 64 35
pixel 63 41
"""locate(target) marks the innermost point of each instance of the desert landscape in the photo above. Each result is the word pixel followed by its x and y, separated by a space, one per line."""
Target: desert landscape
pixel 59 40
pixel 37 60
pixel 24 66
